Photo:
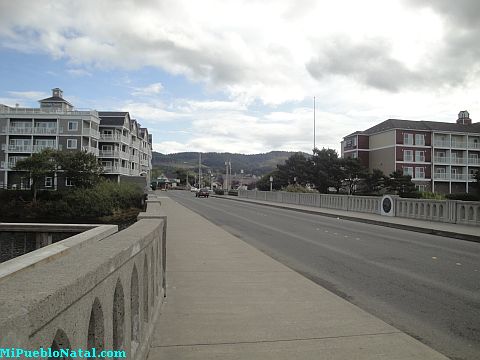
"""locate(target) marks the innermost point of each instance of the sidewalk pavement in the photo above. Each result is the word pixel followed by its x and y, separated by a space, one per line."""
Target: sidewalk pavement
pixel 227 300
pixel 459 231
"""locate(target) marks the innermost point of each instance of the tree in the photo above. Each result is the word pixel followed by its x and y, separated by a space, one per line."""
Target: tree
pixel 325 170
pixel 374 181
pixel 38 165
pixel 352 172
pixel 80 167
pixel 477 181
pixel 399 183
pixel 264 183
pixel 295 170
pixel 183 174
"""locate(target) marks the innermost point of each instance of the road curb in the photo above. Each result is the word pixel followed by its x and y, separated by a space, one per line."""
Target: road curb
pixel 419 229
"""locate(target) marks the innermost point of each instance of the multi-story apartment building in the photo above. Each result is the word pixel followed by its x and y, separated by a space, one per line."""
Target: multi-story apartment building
pixel 125 148
pixel 441 157
pixel 58 125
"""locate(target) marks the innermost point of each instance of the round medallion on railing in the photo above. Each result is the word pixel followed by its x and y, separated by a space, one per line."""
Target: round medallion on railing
pixel 387 206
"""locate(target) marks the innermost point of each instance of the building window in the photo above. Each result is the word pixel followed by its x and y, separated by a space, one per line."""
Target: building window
pixel 420 139
pixel 407 139
pixel 419 173
pixel 71 143
pixel 73 126
pixel 408 155
pixel 25 183
pixel 421 188
pixel 408 170
pixel 68 182
pixel 48 182
pixel 420 156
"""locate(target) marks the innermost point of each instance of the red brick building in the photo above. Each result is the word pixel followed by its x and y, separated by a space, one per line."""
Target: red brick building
pixel 441 157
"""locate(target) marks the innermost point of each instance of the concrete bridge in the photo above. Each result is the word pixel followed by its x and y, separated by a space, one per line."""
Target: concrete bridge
pixel 99 289
pixel 107 290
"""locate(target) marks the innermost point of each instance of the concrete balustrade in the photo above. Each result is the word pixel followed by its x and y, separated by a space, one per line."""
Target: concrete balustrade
pixel 104 294
pixel 449 211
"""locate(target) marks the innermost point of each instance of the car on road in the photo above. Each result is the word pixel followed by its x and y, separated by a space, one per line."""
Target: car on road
pixel 193 189
pixel 202 193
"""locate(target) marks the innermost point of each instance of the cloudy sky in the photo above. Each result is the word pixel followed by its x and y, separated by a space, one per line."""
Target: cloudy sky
pixel 240 75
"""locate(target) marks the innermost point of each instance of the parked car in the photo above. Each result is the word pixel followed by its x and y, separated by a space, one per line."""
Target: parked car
pixel 202 193
pixel 193 189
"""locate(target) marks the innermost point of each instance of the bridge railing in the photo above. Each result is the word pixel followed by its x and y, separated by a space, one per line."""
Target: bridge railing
pixel 451 211
pixel 104 294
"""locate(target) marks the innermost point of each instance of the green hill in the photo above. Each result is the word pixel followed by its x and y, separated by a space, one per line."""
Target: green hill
pixel 256 164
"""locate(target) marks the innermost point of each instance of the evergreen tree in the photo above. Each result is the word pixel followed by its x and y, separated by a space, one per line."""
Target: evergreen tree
pixel 38 165
pixel 82 168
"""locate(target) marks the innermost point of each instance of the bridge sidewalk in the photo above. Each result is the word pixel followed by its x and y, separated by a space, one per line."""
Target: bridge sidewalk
pixel 227 300
pixel 459 231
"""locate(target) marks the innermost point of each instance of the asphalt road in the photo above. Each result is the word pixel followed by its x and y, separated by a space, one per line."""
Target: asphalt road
pixel 425 285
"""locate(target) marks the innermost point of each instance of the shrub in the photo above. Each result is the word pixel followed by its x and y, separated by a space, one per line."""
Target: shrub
pixel 233 192
pixel 463 197
pixel 411 195
pixel 432 196
pixel 104 199
pixel 298 189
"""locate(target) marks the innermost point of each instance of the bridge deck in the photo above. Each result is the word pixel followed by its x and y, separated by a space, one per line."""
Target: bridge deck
pixel 227 300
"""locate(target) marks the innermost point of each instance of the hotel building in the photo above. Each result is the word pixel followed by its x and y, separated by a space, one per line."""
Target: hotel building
pixel 440 157
pixel 123 148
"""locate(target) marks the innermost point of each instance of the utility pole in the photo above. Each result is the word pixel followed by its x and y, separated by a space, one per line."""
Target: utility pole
pixel 199 170
pixel 230 176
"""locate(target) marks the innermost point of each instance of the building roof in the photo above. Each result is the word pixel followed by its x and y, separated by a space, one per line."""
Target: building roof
pixel 419 125
pixel 113 118
pixel 113 113
pixel 55 99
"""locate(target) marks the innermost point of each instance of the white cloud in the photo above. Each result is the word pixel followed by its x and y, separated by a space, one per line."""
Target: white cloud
pixel 365 61
pixel 28 95
pixel 79 72
pixel 152 89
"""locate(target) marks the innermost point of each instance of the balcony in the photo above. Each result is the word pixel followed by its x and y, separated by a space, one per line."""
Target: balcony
pixel 12 160
pixel 474 145
pixel 115 169
pixel 110 137
pixel 441 159
pixel 44 130
pixel 473 161
pixel 459 160
pixel 441 176
pixel 20 148
pixel 20 130
pixel 38 148
pixel 461 177
pixel 459 144
pixel 109 153
pixel 441 143
pixel 91 132
pixel 91 149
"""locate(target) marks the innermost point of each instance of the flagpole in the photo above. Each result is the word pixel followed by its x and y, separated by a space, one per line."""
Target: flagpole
pixel 314 127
